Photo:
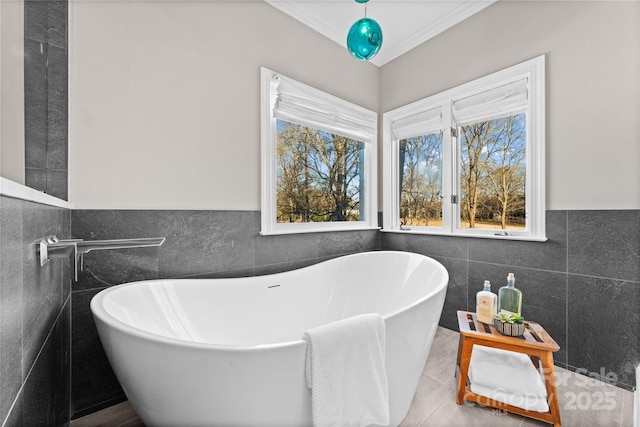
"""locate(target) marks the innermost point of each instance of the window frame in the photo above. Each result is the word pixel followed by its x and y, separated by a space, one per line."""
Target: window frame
pixel 269 81
pixel 534 71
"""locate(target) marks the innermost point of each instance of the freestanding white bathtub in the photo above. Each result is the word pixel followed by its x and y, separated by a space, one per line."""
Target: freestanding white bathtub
pixel 229 352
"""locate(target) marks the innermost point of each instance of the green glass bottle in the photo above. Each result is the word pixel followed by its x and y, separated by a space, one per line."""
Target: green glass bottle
pixel 509 297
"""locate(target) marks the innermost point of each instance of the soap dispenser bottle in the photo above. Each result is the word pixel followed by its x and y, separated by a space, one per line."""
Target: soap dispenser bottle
pixel 510 298
pixel 486 304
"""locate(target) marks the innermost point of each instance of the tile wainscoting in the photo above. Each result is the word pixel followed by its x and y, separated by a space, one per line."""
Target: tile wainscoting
pixel 582 285
pixel 35 317
pixel 46 96
pixel 200 244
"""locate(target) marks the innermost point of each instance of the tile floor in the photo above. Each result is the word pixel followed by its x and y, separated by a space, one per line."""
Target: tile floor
pixel 583 402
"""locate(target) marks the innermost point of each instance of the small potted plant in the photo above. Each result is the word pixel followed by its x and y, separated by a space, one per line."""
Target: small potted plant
pixel 509 324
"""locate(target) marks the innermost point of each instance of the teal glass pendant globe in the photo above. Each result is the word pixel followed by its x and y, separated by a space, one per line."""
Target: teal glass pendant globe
pixel 364 39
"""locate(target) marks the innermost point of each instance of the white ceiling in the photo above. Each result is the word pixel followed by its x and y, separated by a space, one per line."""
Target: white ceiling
pixel 405 23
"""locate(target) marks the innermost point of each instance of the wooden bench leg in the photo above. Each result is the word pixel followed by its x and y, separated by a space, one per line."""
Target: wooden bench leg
pixel 460 340
pixel 550 384
pixel 464 357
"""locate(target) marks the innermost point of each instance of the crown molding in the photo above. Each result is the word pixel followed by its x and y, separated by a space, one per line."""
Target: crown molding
pixel 304 13
pixel 299 11
pixel 443 23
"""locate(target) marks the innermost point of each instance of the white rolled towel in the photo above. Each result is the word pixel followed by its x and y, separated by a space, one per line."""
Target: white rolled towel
pixel 508 377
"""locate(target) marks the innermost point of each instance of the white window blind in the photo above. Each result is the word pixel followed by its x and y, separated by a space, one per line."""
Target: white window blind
pixel 499 101
pixel 285 99
pixel 302 104
pixel 422 123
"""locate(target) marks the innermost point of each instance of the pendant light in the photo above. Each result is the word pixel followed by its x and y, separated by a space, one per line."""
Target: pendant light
pixel 365 37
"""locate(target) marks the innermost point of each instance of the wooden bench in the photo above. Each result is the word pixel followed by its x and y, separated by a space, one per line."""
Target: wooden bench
pixel 535 342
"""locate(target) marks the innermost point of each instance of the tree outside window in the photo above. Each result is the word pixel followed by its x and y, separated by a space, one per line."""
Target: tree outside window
pixel 420 182
pixel 493 173
pixel 319 175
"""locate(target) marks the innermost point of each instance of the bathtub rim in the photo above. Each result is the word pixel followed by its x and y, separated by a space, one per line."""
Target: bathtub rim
pixel 98 310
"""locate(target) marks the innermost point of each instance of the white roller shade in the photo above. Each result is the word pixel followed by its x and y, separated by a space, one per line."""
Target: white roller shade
pixel 423 123
pixel 502 100
pixel 302 104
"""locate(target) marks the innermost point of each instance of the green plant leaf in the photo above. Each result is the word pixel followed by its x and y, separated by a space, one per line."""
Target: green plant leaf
pixel 509 318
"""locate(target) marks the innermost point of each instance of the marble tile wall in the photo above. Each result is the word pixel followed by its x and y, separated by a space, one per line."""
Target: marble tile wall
pixel 202 244
pixel 46 76
pixel 35 317
pixel 582 285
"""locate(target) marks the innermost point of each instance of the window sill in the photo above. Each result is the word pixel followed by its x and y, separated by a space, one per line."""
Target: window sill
pixel 304 230
pixel 476 236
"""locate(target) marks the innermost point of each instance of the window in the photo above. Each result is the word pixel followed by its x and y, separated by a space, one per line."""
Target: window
pixel 470 161
pixel 318 160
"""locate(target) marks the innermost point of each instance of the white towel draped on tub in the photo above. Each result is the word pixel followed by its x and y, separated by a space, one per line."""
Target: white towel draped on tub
pixel 346 372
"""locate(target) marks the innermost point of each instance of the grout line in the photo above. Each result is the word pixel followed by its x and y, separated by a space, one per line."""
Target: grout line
pixel 467 287
pixel 552 271
pixel 472 308
pixel 443 402
pixel 70 391
pixel 37 358
pixel 566 291
pixel 90 289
